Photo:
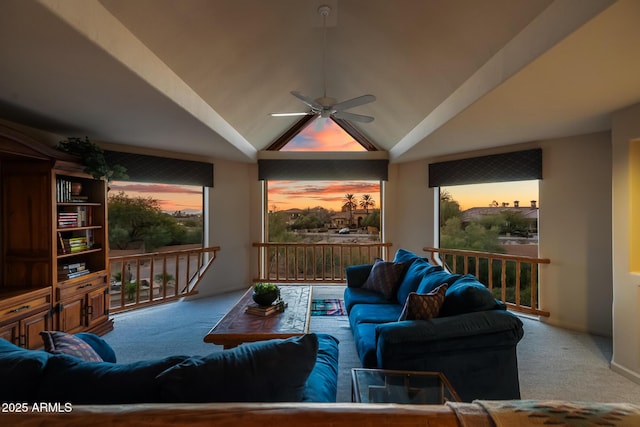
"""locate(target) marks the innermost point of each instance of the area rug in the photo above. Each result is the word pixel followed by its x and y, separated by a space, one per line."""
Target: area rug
pixel 327 307
pixel 520 413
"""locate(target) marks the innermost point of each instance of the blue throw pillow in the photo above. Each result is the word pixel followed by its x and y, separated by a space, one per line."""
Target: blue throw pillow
pixel 435 278
pixel 20 372
pixel 99 345
pixel 403 255
pixel 467 295
pixel 264 371
pixel 416 272
pixel 69 379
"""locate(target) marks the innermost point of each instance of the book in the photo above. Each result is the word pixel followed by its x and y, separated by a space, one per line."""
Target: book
pixel 259 310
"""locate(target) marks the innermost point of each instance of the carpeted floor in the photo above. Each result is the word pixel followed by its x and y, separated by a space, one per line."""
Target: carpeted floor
pixel 553 363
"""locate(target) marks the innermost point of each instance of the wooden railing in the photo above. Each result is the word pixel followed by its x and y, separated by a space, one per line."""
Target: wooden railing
pixel 512 279
pixel 313 262
pixel 156 277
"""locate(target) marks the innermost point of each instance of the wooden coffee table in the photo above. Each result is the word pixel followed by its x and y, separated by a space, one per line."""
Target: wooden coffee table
pixel 237 327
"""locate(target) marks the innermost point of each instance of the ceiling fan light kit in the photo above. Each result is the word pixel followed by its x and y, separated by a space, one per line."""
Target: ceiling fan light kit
pixel 326 106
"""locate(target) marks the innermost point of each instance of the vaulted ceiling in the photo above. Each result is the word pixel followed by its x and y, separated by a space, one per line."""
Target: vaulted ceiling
pixel 202 76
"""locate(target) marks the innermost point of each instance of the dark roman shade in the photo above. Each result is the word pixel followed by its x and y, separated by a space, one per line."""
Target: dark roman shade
pixel 514 166
pixel 323 169
pixel 145 168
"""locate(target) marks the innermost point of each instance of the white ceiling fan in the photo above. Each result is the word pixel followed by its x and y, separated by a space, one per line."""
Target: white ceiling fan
pixel 326 106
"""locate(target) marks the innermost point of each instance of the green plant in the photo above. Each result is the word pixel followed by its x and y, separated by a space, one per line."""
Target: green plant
pixel 265 288
pixel 92 157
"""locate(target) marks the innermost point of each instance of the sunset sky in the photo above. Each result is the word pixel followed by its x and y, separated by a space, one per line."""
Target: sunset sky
pixel 172 198
pixel 325 135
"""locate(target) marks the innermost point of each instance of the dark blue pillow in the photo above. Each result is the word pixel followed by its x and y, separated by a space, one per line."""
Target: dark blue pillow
pixel 20 372
pixel 416 272
pixel 435 278
pixel 403 255
pixel 467 295
pixel 69 379
pixel 99 345
pixel 264 371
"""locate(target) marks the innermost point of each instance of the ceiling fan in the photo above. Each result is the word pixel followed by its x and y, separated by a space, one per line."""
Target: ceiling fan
pixel 326 106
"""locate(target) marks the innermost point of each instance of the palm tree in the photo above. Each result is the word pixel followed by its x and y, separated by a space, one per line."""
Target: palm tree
pixel 366 202
pixel 350 204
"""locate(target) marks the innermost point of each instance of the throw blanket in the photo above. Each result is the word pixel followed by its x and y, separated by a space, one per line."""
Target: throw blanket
pixel 521 413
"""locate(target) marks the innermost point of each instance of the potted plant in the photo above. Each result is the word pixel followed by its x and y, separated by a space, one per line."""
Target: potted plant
pixel 92 157
pixel 265 293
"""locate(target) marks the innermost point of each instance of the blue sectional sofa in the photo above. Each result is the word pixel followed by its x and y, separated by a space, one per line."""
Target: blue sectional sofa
pixel 472 339
pixel 300 369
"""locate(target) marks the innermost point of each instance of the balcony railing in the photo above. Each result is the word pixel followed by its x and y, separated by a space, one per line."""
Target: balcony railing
pixel 512 279
pixel 313 262
pixel 143 279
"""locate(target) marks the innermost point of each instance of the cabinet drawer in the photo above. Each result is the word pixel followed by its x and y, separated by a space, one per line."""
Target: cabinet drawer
pixel 20 307
pixel 81 287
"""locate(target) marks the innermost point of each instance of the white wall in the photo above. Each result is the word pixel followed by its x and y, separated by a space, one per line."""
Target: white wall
pixel 575 233
pixel 409 208
pixel 231 213
pixel 626 285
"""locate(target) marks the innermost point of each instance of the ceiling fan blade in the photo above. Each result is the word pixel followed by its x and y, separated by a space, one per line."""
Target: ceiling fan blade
pixel 288 114
pixel 354 102
pixel 310 102
pixel 352 117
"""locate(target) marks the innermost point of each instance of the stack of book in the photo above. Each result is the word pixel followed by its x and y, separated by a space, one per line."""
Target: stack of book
pixel 73 244
pixel 260 310
pixel 71 271
pixel 67 219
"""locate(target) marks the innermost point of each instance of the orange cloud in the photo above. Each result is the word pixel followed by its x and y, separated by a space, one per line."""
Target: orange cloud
pixel 323 135
pixel 328 194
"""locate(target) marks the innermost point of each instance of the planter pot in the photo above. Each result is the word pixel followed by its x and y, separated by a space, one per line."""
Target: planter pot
pixel 265 299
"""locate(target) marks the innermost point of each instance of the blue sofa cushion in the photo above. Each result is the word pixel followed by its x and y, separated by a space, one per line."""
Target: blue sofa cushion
pixel 424 306
pixel 56 342
pixel 20 372
pixel 99 345
pixel 467 295
pixel 322 384
pixel 384 278
pixel 353 296
pixel 435 278
pixel 364 337
pixel 69 379
pixel 374 313
pixel 265 371
pixel 415 275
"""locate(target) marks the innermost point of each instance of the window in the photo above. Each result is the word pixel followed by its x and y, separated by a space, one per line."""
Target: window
pixel 146 217
pixel 495 217
pixel 323 211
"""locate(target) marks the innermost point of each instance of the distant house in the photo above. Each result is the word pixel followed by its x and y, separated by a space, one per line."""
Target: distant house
pixel 528 212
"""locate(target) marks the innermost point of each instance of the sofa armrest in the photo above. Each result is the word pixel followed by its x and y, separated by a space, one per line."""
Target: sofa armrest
pixel 357 274
pixel 410 339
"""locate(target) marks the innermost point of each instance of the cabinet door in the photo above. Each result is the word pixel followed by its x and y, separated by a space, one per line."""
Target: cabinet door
pixel 11 332
pixel 71 315
pixel 97 306
pixel 31 328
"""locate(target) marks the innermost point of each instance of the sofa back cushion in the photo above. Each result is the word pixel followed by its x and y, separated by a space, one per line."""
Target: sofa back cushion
pixel 20 372
pixel 69 379
pixel 467 295
pixel 265 371
pixel 415 275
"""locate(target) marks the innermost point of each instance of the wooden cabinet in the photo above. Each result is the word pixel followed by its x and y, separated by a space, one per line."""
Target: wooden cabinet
pixel 23 315
pixel 54 243
pixel 84 304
